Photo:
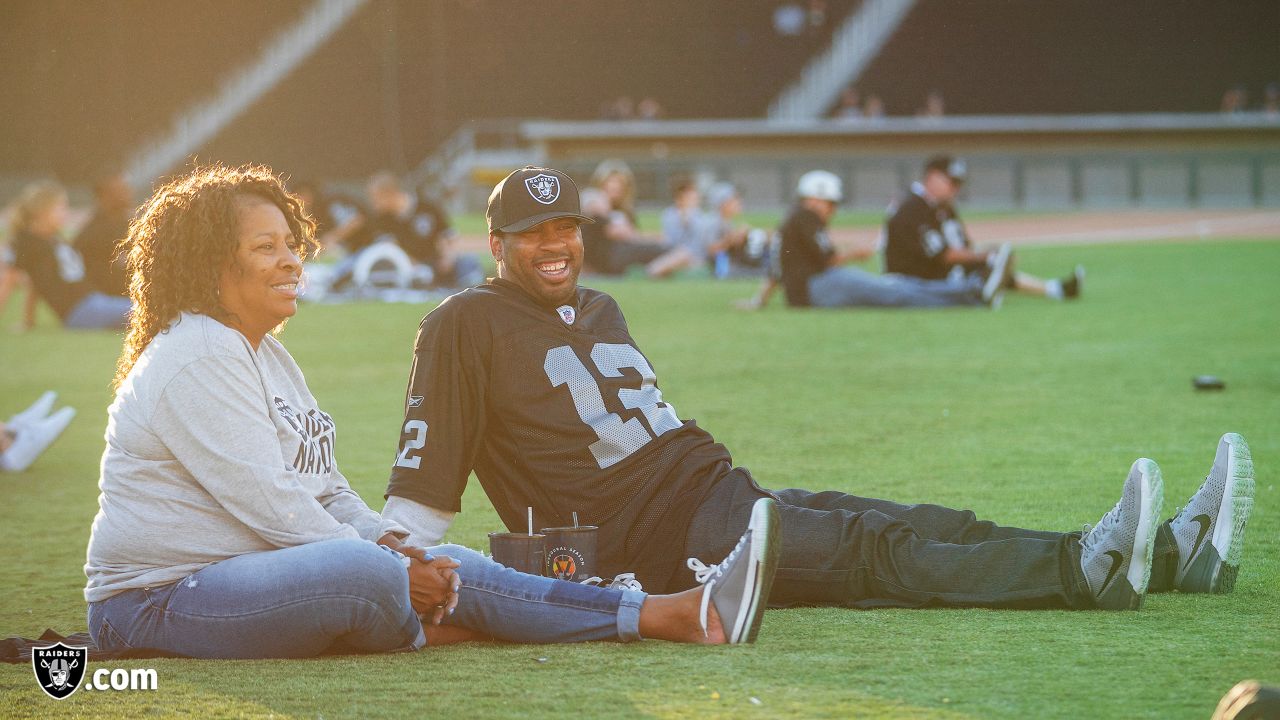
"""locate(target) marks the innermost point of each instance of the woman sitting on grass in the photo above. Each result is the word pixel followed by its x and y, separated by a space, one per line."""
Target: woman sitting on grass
pixel 225 528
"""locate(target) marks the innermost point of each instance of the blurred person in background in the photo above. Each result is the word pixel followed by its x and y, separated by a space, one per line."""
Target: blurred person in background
pixel 682 224
pixel 613 242
pixel 98 241
pixel 419 226
pixel 55 268
pixel 813 270
pixel 850 107
pixel 733 248
pixel 207 544
pixel 925 238
pixel 873 109
pixel 336 216
pixel 649 109
pixel 934 105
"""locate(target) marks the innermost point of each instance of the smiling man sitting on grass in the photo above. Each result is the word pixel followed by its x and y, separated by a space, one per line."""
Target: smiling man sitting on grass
pixel 536 385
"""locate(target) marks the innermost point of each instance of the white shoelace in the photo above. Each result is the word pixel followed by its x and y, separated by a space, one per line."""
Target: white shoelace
pixel 1090 535
pixel 706 575
pixel 622 581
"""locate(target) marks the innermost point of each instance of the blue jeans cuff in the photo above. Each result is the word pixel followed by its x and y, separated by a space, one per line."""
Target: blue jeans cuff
pixel 629 615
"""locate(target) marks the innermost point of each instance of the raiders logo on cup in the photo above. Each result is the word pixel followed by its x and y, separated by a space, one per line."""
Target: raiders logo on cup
pixel 59 668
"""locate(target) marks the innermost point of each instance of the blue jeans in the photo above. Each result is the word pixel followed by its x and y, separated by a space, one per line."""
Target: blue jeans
pixel 850 286
pixel 347 595
pixel 98 311
pixel 513 606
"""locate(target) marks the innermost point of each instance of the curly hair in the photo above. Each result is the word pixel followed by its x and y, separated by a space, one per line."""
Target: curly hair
pixel 182 239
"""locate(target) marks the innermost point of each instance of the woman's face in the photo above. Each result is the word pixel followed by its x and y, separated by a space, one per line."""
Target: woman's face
pixel 260 286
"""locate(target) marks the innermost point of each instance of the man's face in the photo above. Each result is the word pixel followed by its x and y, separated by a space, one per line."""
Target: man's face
pixel 545 260
pixel 940 187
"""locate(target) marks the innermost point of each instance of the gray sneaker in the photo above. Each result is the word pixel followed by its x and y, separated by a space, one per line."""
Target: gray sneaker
pixel 740 584
pixel 1116 554
pixel 1209 531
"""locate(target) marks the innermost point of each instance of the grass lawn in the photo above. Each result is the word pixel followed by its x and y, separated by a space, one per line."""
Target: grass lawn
pixel 1030 416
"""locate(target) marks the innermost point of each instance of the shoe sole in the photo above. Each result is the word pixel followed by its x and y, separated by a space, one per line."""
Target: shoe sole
pixel 1233 513
pixel 1144 541
pixel 765 549
pixel 996 278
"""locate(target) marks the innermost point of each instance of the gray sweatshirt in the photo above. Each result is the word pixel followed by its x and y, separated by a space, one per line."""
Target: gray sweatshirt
pixel 213 451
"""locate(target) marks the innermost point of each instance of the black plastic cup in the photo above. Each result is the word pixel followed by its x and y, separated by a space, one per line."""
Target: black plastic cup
pixel 571 552
pixel 519 551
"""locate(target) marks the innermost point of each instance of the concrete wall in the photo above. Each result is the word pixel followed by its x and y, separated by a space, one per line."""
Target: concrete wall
pixel 1034 162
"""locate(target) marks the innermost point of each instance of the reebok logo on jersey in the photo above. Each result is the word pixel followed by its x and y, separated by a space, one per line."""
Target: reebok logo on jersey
pixel 544 188
pixel 415 401
pixel 567 314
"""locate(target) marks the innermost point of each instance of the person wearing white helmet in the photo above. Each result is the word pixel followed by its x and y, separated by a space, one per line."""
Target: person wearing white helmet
pixel 813 271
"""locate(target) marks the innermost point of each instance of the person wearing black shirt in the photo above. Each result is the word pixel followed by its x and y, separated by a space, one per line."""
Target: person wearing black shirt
pixel 55 268
pixel 420 227
pixel 536 385
pixel 813 272
pixel 337 216
pixel 612 240
pixel 98 241
pixel 925 238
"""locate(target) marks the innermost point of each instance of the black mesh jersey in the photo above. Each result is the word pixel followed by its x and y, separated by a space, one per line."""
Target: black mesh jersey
pixel 806 250
pixel 554 408
pixel 917 233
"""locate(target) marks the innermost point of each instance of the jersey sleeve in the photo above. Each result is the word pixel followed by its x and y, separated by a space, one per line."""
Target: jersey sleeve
pixel 444 419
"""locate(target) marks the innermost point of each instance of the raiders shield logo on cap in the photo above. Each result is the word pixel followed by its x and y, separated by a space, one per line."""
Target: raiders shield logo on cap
pixel 567 314
pixel 544 188
pixel 59 668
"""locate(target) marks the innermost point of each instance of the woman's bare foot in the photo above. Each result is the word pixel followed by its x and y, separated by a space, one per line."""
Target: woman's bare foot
pixel 679 618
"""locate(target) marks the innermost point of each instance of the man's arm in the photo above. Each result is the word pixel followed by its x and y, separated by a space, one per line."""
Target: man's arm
pixel 444 423
pixel 424 524
pixel 963 256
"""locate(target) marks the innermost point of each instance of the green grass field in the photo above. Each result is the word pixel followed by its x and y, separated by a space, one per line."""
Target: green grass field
pixel 1030 416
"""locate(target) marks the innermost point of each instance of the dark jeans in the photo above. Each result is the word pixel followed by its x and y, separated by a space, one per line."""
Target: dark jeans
pixel 849 551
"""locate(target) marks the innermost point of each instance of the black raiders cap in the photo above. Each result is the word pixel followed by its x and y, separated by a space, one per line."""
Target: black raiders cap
pixel 953 168
pixel 532 195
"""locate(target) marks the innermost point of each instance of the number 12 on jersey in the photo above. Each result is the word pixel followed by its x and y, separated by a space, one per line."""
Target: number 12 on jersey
pixel 618 439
